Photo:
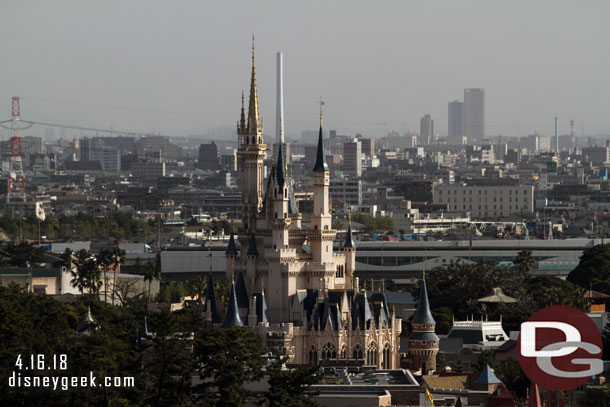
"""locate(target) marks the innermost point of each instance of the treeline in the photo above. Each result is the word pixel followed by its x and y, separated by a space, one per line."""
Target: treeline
pixel 116 225
pixel 170 368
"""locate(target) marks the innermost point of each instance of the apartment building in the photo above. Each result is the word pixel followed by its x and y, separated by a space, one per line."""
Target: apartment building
pixel 484 201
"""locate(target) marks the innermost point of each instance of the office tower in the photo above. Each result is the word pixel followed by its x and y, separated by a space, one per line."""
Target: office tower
pixel 455 122
pixel 208 157
pixel 473 118
pixel 352 158
pixel 426 132
pixel 368 146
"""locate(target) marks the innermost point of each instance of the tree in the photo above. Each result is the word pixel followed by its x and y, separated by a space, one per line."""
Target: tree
pixel 593 270
pixel 226 360
pixel 23 254
pixel 524 261
pixel 444 320
pixel 105 262
pixel 198 286
pixel 118 258
pixel 291 388
pixel 170 367
pixel 151 272
pixel 86 273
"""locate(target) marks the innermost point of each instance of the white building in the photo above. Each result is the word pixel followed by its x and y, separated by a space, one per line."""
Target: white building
pixel 487 201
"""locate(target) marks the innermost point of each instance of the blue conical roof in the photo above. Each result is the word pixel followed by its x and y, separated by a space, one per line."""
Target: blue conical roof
pixel 320 158
pixel 423 314
pixel 349 240
pixel 252 250
pixel 487 376
pixel 232 247
pixel 210 295
pixel 280 175
pixel 241 291
pixel 232 318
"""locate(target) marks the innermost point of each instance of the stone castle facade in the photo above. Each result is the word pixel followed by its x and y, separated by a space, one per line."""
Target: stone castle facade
pixel 291 287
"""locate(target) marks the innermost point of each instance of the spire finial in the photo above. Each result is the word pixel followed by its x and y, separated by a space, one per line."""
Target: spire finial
pixel 255 124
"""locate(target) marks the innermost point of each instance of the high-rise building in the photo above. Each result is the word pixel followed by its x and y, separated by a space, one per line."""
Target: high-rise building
pixel 455 131
pixel 368 146
pixel 426 132
pixel 208 157
pixel 352 158
pixel 473 119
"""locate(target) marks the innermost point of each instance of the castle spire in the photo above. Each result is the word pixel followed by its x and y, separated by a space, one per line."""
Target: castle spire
pixel 232 318
pixel 210 297
pixel 320 158
pixel 423 314
pixel 349 240
pixel 254 122
pixel 242 117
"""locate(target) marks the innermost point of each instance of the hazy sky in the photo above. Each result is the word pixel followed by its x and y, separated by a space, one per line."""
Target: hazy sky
pixel 178 67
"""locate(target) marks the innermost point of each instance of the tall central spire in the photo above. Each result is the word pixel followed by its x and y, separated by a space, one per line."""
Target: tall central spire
pixel 254 122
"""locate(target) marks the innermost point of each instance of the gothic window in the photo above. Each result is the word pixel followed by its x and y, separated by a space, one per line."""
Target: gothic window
pixel 247 140
pixel 329 352
pixel 386 357
pixel 313 356
pixel 343 352
pixel 371 354
pixel 357 353
pixel 260 140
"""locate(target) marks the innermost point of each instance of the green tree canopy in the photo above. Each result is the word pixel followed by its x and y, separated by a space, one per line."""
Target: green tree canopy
pixel 593 270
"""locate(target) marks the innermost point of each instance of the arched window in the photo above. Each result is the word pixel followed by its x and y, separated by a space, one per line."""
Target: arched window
pixel 386 364
pixel 357 353
pixel 343 352
pixel 247 140
pixel 313 356
pixel 260 140
pixel 329 352
pixel 371 354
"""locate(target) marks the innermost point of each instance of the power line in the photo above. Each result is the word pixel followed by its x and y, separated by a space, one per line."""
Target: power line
pixel 65 126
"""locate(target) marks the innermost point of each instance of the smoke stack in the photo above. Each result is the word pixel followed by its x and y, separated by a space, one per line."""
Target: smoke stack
pixel 279 104
pixel 556 137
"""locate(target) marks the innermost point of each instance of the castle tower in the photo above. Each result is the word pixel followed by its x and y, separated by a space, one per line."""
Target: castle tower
pixel 322 236
pixel 231 256
pixel 280 255
pixel 250 155
pixel 423 342
pixel 349 249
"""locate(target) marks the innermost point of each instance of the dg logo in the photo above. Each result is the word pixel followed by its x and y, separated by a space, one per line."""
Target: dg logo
pixel 560 348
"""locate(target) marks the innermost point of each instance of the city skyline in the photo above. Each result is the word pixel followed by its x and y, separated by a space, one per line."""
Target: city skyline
pixel 181 78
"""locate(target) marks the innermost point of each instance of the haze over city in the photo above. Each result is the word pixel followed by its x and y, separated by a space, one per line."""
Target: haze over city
pixel 178 68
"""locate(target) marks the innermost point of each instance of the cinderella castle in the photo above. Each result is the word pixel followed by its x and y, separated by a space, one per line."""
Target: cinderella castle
pixel 290 286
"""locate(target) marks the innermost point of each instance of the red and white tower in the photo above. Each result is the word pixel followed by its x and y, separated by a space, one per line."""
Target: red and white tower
pixel 16 179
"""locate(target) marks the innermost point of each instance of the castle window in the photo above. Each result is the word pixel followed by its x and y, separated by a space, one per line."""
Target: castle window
pixel 247 140
pixel 260 140
pixel 343 352
pixel 371 354
pixel 313 356
pixel 357 353
pixel 329 352
pixel 386 363
pixel 285 193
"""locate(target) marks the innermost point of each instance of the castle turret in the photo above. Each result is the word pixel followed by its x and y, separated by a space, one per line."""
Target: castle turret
pixel 232 318
pixel 349 249
pixel 423 342
pixel 210 308
pixel 322 236
pixel 280 255
pixel 231 256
